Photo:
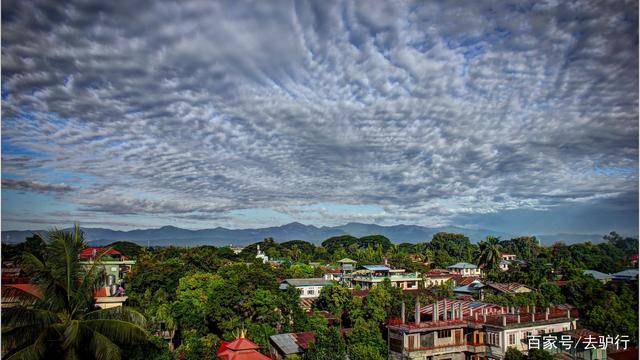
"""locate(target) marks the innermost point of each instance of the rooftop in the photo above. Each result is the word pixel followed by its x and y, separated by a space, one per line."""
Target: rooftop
pixel 308 282
pixel 626 274
pixel 509 287
pixel 597 274
pixel 462 265
pixel 376 267
pixel 346 261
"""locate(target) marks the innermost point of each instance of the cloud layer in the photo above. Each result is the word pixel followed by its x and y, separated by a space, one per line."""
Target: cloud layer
pixel 196 109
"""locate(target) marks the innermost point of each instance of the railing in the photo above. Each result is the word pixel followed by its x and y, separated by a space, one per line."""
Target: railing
pixel 444 346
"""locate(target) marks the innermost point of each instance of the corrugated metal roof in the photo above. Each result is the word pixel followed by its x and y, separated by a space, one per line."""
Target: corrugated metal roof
pixel 307 282
pixel 376 267
pixel 462 265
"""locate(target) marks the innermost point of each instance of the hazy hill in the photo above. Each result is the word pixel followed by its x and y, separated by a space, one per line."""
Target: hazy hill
pixel 171 235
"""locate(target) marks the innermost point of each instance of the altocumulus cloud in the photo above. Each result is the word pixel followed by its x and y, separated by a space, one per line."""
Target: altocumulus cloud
pixel 426 110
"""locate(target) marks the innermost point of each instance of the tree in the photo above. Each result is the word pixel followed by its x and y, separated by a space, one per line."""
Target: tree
pixel 365 341
pixel 449 248
pixel 329 344
pixel 192 300
pixel 539 354
pixel 335 299
pixel 64 323
pixel 513 354
pixel 490 253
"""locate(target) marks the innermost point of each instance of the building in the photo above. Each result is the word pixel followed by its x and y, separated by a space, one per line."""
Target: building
pixel 309 288
pixel 508 257
pixel 581 348
pixel 292 345
pixel 602 277
pixel 626 275
pixel 436 277
pixel 116 266
pixel 504 265
pixel 262 256
pixel 473 289
pixel 372 275
pixel 464 269
pixel 240 349
pixel 236 249
pixel 505 288
pixel 347 266
pixel 464 330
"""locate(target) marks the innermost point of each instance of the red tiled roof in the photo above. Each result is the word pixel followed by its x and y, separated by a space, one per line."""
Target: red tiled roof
pixel 438 272
pixel 506 287
pixel 89 252
pixel 465 280
pixel 561 282
pixel 239 349
pixel 241 344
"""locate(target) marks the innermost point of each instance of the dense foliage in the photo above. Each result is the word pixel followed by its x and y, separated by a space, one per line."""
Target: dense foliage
pixel 206 294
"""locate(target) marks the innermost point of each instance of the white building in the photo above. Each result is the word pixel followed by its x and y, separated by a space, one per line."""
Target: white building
pixel 309 288
pixel 464 269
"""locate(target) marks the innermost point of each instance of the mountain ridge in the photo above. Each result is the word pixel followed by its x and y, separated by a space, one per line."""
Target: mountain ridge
pixel 220 236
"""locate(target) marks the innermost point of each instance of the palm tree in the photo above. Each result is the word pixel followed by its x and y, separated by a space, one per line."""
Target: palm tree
pixel 63 322
pixel 490 253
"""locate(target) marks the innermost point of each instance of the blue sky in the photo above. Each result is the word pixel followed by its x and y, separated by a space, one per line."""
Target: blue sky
pixel 513 116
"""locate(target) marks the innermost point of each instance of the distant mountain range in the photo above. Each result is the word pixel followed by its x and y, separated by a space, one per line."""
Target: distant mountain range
pixel 171 235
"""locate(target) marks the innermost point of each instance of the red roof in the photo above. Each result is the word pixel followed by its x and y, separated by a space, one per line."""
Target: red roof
pixel 240 349
pixel 89 252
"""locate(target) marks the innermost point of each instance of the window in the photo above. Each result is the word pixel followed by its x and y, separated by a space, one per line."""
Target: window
pixel 310 292
pixel 512 339
pixel 444 334
pixel 493 338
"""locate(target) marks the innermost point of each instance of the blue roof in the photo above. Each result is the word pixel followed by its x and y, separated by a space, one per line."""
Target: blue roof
pixel 376 267
pixel 626 274
pixel 597 274
pixel 462 265
pixel 469 289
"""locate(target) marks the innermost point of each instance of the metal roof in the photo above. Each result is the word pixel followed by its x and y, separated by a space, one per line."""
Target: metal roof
pixel 376 267
pixel 626 274
pixel 292 343
pixel 597 274
pixel 307 282
pixel 462 265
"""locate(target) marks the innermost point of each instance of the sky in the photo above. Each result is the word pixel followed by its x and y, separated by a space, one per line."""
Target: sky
pixel 514 116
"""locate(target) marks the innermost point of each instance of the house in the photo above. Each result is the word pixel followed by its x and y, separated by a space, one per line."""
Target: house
pixel 504 265
pixel 592 349
pixel 464 269
pixel 236 249
pixel 287 346
pixel 464 330
pixel 240 349
pixel 309 288
pixel 505 288
pixel 372 275
pixel 602 277
pixel 626 275
pixel 332 274
pixel 436 277
pixel 347 266
pixel 508 257
pixel 472 288
pixel 115 267
pixel 293 345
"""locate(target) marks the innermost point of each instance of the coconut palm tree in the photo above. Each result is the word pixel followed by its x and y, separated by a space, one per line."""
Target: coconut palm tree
pixel 62 321
pixel 490 253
